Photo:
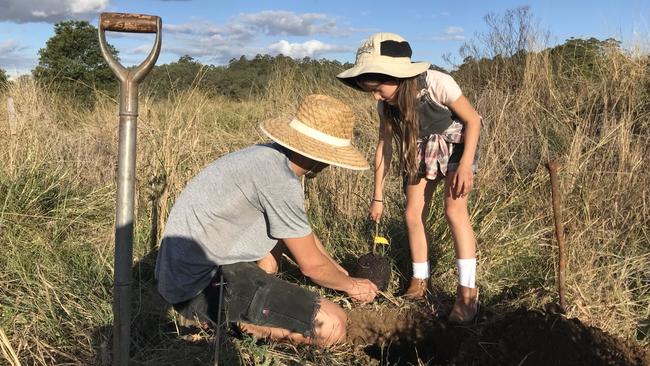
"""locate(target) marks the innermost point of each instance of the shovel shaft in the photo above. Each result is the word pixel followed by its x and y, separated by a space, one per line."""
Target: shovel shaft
pixel 130 23
pixel 129 79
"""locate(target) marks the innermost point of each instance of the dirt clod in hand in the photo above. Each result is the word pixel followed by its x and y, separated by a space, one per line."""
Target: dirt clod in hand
pixel 374 267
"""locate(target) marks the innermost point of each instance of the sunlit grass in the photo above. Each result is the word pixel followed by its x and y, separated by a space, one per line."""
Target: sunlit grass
pixel 57 208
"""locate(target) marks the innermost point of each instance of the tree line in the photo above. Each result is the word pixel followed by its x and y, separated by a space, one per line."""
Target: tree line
pixel 4 79
pixel 71 63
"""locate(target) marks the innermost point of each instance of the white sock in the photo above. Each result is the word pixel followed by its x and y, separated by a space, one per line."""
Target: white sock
pixel 421 270
pixel 466 272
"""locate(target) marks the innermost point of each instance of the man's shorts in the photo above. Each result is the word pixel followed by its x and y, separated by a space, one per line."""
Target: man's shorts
pixel 253 296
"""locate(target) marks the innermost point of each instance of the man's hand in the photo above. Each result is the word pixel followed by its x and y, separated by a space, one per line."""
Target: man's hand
pixel 315 263
pixel 362 290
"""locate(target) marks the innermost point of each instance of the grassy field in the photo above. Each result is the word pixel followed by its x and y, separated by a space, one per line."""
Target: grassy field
pixel 57 196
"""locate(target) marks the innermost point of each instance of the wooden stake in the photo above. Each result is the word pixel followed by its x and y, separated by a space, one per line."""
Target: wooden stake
pixel 13 132
pixel 11 114
pixel 559 231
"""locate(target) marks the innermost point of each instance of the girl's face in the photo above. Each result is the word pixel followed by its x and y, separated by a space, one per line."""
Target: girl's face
pixel 385 91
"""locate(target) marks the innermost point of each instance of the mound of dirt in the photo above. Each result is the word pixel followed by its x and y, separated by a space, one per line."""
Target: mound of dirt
pixel 522 337
pixel 526 337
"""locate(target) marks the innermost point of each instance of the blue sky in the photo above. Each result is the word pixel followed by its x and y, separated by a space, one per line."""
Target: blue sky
pixel 216 31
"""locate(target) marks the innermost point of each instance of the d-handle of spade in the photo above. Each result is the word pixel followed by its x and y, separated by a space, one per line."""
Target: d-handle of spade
pixel 129 79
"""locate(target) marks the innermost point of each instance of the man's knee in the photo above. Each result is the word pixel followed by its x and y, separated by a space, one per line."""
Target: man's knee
pixel 330 324
pixel 269 264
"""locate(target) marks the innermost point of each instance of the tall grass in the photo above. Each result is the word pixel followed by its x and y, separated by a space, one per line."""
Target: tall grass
pixel 57 203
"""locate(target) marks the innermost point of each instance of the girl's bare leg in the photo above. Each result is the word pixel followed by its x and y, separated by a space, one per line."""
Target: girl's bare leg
pixel 457 216
pixel 418 200
pixel 466 305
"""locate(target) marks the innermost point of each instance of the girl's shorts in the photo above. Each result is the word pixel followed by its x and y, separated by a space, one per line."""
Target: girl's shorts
pixel 456 150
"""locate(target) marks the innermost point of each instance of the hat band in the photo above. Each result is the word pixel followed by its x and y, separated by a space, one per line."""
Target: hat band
pixel 395 49
pixel 318 135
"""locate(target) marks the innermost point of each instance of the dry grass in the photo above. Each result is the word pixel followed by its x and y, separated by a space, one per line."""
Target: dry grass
pixel 57 197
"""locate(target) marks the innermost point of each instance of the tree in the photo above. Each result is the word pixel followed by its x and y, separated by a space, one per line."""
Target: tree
pixel 71 62
pixel 582 57
pixel 4 80
pixel 242 78
pixel 499 53
pixel 182 75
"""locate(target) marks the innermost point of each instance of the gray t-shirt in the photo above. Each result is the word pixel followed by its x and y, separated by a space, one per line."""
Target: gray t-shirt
pixel 233 211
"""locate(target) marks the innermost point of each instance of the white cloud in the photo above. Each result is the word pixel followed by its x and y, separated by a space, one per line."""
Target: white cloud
pixel 246 26
pixel 142 49
pixel 453 30
pixel 13 60
pixel 311 48
pixel 451 33
pixel 23 11
pixel 229 33
pixel 241 36
pixel 449 37
pixel 276 22
pixel 8 46
pixel 215 54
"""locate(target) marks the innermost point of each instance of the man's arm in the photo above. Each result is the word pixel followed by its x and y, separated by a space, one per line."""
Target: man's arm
pixel 320 269
pixel 322 249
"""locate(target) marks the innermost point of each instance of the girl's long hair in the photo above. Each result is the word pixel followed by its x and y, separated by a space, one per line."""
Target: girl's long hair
pixel 403 124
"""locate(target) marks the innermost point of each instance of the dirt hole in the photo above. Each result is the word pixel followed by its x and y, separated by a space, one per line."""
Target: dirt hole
pixel 522 337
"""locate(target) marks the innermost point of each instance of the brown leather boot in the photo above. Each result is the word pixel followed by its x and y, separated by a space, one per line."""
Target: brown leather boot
pixel 417 289
pixel 466 306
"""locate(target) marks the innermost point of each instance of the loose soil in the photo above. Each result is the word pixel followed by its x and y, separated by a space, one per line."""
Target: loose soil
pixel 374 267
pixel 522 337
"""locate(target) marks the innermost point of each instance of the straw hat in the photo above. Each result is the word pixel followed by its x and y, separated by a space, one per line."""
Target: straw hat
pixel 383 53
pixel 320 130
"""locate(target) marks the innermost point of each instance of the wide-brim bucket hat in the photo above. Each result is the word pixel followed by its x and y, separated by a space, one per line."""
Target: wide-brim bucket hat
pixel 383 53
pixel 322 130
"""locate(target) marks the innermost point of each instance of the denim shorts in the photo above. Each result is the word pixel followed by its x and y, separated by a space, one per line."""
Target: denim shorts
pixel 256 297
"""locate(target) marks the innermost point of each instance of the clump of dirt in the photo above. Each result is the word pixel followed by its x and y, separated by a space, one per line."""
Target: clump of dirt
pixel 521 337
pixel 374 267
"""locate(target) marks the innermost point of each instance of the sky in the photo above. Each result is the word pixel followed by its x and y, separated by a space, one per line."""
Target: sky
pixel 214 32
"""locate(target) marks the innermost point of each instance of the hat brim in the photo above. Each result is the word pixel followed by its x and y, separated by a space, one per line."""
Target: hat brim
pixel 396 70
pixel 278 130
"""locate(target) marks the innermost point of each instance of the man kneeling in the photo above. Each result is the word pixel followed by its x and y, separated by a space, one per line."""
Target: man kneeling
pixel 245 207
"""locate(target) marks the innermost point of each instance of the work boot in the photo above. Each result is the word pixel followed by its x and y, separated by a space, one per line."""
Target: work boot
pixel 417 289
pixel 466 306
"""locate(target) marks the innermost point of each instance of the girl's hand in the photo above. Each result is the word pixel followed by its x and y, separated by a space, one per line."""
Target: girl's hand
pixel 376 209
pixel 463 181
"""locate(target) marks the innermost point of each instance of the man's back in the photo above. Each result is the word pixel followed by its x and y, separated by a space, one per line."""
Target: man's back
pixel 234 210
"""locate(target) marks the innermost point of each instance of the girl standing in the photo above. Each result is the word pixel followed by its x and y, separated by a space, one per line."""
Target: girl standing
pixel 436 132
